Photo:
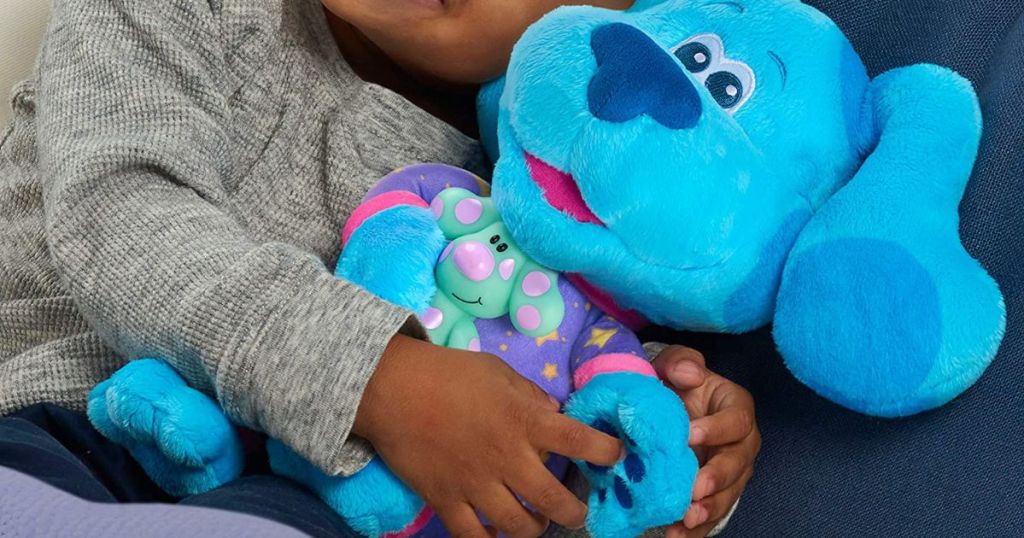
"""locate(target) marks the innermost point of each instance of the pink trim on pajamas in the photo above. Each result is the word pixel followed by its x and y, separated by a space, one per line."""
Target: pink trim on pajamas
pixel 610 364
pixel 377 204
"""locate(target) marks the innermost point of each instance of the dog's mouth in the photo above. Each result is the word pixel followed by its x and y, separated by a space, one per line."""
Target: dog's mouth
pixel 560 190
pixel 479 300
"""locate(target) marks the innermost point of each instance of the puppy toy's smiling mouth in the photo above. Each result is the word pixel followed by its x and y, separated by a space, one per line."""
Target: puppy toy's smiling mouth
pixel 560 190
pixel 479 300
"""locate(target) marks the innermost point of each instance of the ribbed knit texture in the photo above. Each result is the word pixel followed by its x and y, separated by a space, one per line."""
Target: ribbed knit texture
pixel 174 184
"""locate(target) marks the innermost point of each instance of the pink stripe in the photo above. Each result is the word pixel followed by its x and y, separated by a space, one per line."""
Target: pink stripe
pixel 375 205
pixel 630 318
pixel 611 364
pixel 416 526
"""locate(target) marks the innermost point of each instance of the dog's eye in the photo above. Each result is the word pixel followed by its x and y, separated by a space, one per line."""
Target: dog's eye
pixel 732 86
pixel 726 88
pixel 696 57
pixel 730 82
pixel 502 247
pixel 700 53
pixel 495 239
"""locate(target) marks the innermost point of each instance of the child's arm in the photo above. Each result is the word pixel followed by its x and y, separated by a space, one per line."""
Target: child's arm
pixel 135 150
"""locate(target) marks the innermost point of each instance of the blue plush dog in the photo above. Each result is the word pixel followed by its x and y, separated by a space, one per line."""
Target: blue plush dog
pixel 707 165
pixel 718 165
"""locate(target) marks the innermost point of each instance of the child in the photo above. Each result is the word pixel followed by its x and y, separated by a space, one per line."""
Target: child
pixel 174 185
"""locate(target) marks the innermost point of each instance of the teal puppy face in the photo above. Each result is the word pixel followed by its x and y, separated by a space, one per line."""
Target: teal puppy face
pixel 483 272
pixel 479 271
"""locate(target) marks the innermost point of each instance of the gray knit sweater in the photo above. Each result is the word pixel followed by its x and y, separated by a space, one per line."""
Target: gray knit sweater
pixel 174 185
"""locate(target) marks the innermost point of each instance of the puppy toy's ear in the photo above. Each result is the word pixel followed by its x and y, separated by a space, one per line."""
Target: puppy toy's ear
pixel 487 104
pixel 881 309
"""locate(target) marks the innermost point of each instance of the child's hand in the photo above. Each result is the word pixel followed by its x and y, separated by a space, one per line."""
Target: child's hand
pixel 723 433
pixel 467 432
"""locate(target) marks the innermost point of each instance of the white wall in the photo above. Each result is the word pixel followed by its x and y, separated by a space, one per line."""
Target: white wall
pixel 22 23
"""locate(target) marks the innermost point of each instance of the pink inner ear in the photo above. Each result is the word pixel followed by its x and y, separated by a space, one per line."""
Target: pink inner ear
pixel 505 268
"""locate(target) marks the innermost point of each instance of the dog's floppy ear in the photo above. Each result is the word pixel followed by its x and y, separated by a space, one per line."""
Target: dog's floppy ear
pixel 487 102
pixel 881 308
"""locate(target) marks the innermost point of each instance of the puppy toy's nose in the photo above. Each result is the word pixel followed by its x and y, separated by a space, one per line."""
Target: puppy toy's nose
pixel 474 260
pixel 636 76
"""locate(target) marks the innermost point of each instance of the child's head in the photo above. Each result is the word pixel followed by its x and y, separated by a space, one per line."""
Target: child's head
pixel 462 41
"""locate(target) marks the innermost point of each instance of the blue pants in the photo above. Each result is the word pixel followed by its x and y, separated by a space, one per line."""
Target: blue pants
pixel 61 448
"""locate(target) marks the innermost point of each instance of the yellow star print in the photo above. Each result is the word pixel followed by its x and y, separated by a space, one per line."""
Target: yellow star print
pixel 600 337
pixel 553 336
pixel 550 371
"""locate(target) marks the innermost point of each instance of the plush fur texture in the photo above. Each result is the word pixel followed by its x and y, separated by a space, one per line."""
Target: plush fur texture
pixel 405 276
pixel 651 486
pixel 804 192
pixel 179 436
pixel 912 320
pixel 376 504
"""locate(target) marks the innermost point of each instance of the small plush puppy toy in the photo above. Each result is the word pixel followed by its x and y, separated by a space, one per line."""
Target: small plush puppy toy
pixel 706 165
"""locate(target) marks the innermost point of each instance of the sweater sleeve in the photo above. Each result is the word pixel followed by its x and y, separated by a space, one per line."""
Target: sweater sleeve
pixel 134 150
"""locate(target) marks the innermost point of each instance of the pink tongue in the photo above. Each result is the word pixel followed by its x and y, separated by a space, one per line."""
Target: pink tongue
pixel 560 190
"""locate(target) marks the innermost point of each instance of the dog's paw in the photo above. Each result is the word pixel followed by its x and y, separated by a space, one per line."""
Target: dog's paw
pixel 885 328
pixel 651 486
pixel 393 254
pixel 373 501
pixel 179 436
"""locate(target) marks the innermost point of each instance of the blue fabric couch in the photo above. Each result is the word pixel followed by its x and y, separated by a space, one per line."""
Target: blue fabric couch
pixel 956 471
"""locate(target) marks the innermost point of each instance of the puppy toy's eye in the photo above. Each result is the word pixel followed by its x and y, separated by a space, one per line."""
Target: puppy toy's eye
pixel 495 239
pixel 695 56
pixel 502 247
pixel 726 88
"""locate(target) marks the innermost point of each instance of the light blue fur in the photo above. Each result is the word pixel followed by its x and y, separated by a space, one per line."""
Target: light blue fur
pixel 374 502
pixel 658 469
pixel 715 227
pixel 179 436
pixel 405 276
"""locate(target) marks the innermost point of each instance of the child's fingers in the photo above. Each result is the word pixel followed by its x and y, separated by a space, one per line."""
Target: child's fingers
pixel 727 426
pixel 709 511
pixel 461 521
pixel 681 366
pixel 505 513
pixel 544 492
pixel 573 439
pixel 726 466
